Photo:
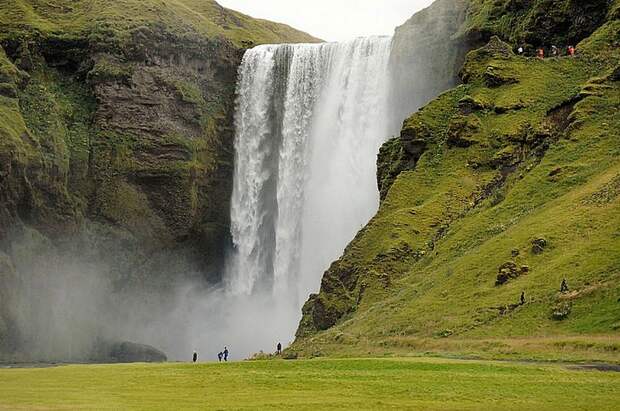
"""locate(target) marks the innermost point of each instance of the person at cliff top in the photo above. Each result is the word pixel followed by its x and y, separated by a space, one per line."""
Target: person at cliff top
pixel 279 348
pixel 571 51
pixel 195 356
pixel 520 50
pixel 225 354
pixel 541 53
pixel 220 355
pixel 554 51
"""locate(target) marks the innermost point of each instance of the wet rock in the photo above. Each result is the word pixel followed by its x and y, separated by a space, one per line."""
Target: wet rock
pixel 539 245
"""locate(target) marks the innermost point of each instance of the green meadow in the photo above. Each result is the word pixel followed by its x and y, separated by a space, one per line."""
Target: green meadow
pixel 369 384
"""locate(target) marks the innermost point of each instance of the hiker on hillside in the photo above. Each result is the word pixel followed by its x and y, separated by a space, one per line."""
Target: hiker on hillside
pixel 564 286
pixel 554 51
pixel 279 349
pixel 225 354
pixel 522 297
pixel 541 53
pixel 571 51
pixel 195 356
pixel 220 355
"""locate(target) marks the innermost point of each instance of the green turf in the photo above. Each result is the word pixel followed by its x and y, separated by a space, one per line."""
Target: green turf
pixel 312 384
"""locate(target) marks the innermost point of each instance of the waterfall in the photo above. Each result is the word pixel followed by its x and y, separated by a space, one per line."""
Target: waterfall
pixel 309 122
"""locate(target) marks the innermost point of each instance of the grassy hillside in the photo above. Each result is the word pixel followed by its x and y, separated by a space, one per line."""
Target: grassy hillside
pixel 311 385
pixel 116 20
pixel 509 183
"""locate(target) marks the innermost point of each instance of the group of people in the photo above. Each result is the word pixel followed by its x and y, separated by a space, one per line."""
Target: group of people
pixel 555 51
pixel 222 355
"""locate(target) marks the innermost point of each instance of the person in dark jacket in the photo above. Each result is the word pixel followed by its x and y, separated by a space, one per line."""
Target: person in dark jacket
pixel 220 355
pixel 279 348
pixel 522 297
pixel 225 354
pixel 564 286
pixel 195 356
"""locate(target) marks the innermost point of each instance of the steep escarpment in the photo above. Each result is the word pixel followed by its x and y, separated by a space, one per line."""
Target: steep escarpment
pixel 427 52
pixel 505 184
pixel 115 144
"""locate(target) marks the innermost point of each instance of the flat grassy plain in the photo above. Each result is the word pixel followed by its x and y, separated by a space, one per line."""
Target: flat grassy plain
pixel 420 384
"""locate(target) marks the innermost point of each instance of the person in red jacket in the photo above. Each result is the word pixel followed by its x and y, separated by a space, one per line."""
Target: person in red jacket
pixel 541 53
pixel 571 51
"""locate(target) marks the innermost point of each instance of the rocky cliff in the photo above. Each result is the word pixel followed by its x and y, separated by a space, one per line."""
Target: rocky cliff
pixel 116 142
pixel 506 184
pixel 427 52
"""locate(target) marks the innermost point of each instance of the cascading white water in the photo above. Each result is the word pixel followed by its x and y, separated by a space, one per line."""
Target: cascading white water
pixel 309 122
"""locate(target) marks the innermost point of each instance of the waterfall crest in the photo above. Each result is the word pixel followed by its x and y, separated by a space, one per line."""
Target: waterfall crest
pixel 309 122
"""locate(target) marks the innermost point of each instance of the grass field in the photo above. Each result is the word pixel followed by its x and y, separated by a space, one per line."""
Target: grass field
pixel 420 384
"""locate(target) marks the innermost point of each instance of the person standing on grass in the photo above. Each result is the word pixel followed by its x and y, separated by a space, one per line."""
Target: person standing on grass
pixel 220 355
pixel 554 51
pixel 195 356
pixel 522 297
pixel 564 286
pixel 225 354
pixel 279 349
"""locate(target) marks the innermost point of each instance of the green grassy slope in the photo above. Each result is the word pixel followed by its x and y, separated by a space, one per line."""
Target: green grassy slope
pixel 311 385
pixel 119 18
pixel 525 150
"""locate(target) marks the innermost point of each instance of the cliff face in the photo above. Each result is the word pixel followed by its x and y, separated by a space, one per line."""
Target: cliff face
pixel 116 139
pixel 506 183
pixel 427 52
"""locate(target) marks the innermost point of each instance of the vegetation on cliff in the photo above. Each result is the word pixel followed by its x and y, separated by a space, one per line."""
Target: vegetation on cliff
pixel 504 184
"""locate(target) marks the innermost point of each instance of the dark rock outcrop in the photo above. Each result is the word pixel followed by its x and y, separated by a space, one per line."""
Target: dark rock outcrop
pixel 128 352
pixel 510 271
